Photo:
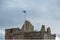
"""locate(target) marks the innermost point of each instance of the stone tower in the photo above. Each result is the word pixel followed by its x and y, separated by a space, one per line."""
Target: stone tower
pixel 27 27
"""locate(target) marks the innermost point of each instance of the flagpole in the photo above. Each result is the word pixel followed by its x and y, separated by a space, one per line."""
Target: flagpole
pixel 25 14
pixel 25 20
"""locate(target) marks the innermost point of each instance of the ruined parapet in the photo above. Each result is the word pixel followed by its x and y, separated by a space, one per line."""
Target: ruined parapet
pixel 27 26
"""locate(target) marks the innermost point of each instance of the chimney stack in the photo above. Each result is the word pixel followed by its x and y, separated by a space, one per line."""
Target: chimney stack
pixel 48 30
pixel 43 28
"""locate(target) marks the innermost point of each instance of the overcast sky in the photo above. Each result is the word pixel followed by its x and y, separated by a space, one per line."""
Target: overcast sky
pixel 38 12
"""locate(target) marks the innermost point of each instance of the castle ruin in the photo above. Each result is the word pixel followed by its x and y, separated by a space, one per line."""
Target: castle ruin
pixel 27 32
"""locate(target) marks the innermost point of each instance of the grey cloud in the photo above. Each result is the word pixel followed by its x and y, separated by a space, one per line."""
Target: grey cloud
pixel 44 10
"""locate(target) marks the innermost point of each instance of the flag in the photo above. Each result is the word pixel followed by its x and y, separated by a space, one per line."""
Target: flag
pixel 24 11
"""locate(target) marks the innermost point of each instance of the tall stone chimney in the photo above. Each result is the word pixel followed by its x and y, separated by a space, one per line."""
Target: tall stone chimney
pixel 43 28
pixel 49 30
